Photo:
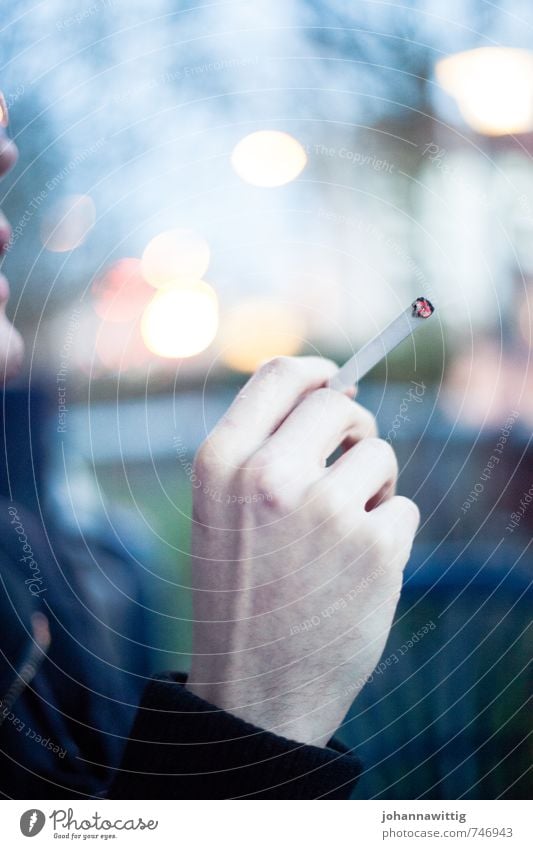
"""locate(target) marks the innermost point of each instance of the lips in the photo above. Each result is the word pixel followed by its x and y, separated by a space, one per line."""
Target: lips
pixel 8 153
pixel 4 290
pixel 5 233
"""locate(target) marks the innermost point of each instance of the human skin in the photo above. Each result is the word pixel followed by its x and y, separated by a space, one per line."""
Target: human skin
pixel 296 566
pixel 11 346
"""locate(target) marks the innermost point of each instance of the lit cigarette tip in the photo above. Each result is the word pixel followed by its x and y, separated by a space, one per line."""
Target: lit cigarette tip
pixel 423 308
pixel 381 345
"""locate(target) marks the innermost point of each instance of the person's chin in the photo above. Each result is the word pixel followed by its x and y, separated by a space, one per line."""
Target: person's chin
pixel 11 350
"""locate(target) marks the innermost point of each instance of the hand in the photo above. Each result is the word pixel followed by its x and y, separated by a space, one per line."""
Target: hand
pixel 11 347
pixel 296 567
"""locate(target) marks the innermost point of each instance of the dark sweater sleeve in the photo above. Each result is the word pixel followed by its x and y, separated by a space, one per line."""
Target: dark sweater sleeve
pixel 182 747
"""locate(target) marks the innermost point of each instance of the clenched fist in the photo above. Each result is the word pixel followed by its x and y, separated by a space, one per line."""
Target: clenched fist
pixel 296 565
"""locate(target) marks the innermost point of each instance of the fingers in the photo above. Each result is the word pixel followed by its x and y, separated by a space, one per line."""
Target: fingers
pixel 399 518
pixel 366 472
pixel 263 404
pixel 317 426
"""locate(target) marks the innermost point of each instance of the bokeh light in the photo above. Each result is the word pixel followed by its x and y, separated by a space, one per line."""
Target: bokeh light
pixel 181 321
pixel 258 329
pixel 525 319
pixel 268 158
pixel 175 256
pixel 121 293
pixel 493 87
pixel 66 225
pixel 119 347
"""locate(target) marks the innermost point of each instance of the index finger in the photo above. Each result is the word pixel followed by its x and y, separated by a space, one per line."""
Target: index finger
pixel 264 403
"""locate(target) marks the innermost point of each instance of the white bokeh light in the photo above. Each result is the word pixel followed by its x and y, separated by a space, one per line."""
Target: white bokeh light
pixel 268 158
pixel 181 321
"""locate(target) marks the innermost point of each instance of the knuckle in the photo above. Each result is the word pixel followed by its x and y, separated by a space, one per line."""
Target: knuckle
pixel 325 395
pixel 362 421
pixel 322 500
pixel 357 418
pixel 383 450
pixel 369 423
pixel 380 544
pixel 377 538
pixel 279 366
pixel 335 505
pixel 348 413
pixel 409 511
pixel 332 401
pixel 264 481
pixel 204 460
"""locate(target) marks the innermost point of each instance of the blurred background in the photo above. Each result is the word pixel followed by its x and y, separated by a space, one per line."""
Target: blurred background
pixel 203 186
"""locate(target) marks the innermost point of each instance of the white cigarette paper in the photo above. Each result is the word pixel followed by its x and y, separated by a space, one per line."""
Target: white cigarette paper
pixel 370 354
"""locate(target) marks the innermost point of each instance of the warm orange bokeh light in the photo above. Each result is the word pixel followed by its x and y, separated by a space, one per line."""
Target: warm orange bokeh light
pixel 493 87
pixel 121 292
pixel 175 256
pixel 181 321
pixel 259 329
pixel 119 347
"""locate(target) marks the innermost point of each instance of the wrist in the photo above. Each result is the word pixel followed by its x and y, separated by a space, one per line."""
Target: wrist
pixel 269 713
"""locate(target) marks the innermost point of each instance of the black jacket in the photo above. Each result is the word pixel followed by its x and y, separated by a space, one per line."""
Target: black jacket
pixel 67 707
pixel 182 747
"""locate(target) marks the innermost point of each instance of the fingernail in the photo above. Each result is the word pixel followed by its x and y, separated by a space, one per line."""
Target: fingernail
pixel 4 112
pixel 351 391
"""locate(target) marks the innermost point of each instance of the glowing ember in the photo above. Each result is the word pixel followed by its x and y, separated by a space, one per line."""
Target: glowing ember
pixel 423 308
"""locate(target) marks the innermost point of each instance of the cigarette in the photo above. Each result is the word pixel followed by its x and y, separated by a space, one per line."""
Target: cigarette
pixel 377 349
